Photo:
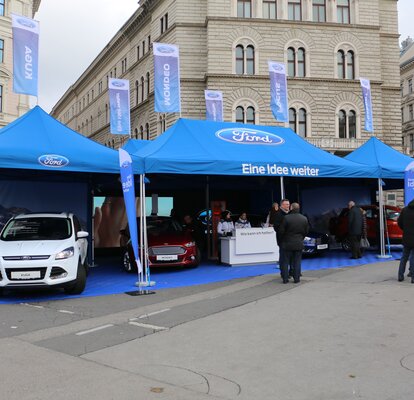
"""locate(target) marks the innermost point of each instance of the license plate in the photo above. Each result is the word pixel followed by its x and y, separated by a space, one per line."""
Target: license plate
pixel 322 246
pixel 25 275
pixel 167 258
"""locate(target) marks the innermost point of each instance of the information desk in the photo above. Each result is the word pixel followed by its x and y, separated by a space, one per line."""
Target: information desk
pixel 250 246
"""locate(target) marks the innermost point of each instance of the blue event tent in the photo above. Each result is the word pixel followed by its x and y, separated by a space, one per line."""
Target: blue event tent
pixel 390 163
pixel 223 148
pixel 37 141
pixel 134 145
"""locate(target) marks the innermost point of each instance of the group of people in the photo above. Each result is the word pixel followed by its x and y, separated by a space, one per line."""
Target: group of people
pixel 291 227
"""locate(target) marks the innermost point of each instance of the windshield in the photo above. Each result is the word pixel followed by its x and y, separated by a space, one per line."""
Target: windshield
pixel 157 226
pixel 392 214
pixel 37 229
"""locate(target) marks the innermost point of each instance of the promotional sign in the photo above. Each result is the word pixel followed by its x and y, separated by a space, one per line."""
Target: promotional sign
pixel 278 91
pixel 409 184
pixel 120 119
pixel 167 78
pixel 25 55
pixel 366 94
pixel 255 240
pixel 214 105
pixel 128 188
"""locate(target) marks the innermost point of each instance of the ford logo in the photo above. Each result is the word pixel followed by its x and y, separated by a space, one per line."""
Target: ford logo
pixel 53 161
pixel 277 67
pixel 213 95
pixel 249 136
pixel 118 84
pixel 166 49
pixel 26 23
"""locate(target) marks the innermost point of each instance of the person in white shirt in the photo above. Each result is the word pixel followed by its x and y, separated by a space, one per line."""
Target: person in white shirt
pixel 242 222
pixel 226 226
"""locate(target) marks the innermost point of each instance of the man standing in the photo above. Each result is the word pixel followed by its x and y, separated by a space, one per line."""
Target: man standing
pixel 406 223
pixel 355 226
pixel 277 222
pixel 292 231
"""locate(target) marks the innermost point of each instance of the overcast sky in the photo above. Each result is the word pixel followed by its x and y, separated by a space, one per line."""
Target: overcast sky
pixel 73 32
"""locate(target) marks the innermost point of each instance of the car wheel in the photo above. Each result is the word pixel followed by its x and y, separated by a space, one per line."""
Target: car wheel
pixel 346 245
pixel 127 264
pixel 79 286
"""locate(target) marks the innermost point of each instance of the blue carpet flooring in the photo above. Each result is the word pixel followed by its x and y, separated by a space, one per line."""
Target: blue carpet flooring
pixel 107 278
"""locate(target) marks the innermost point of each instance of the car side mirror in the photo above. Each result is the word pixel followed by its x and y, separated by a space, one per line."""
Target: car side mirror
pixel 82 235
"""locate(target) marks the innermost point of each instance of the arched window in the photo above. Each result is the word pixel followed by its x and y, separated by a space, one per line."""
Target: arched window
pixel 240 60
pixel 350 65
pixel 301 62
pixel 250 60
pixel 147 133
pixel 148 84
pixel 136 133
pixel 246 115
pixel 91 124
pixel 352 125
pixel 136 92
pixel 341 64
pixel 291 62
pixel 106 113
pixel 302 123
pixel 342 124
pixel 142 88
pixel 161 124
pixel 292 119
pixel 141 132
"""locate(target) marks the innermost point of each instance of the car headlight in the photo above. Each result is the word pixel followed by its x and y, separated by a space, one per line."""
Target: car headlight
pixel 67 253
pixel 190 244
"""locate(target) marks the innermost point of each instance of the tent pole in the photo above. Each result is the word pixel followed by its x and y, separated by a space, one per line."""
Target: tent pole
pixel 381 218
pixel 282 188
pixel 141 229
pixel 208 236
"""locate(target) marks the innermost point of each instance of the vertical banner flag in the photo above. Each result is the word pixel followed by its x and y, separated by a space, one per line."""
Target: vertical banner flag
pixel 278 91
pixel 25 55
pixel 366 94
pixel 214 105
pixel 120 120
pixel 128 187
pixel 409 183
pixel 167 78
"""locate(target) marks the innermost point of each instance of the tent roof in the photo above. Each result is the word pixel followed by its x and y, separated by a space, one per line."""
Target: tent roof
pixel 36 140
pixel 209 148
pixel 390 162
pixel 134 145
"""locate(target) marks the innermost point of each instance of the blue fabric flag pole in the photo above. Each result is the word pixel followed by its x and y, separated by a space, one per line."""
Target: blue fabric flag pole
pixel 25 55
pixel 278 91
pixel 119 101
pixel 128 188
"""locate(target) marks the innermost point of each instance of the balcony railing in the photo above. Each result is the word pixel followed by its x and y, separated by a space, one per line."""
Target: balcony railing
pixel 331 144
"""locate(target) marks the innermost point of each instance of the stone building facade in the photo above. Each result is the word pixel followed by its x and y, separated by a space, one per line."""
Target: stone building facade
pixel 226 44
pixel 12 105
pixel 407 95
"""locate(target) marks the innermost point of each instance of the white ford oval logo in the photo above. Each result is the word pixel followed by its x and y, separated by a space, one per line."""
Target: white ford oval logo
pixel 249 136
pixel 53 161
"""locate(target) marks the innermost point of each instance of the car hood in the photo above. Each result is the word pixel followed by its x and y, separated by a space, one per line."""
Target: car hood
pixel 33 247
pixel 169 238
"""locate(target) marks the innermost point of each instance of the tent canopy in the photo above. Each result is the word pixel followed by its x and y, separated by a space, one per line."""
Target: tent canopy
pixel 222 148
pixel 389 162
pixel 37 141
pixel 132 146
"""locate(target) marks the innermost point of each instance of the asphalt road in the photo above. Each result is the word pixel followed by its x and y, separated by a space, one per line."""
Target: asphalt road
pixel 337 335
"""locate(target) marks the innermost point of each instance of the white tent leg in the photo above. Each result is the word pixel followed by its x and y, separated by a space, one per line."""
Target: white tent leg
pixel 381 219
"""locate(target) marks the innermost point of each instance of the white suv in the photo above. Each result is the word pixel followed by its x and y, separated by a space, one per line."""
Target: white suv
pixel 43 250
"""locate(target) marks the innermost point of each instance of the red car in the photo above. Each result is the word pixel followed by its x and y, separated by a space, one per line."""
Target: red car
pixel 169 245
pixel 339 225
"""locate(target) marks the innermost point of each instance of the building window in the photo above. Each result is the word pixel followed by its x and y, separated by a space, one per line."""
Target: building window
pixel 2 8
pixel 1 98
pixel 298 121
pixel 270 9
pixel 410 112
pixel 100 87
pixel 136 133
pixel 106 113
pixel 296 62
pixel 147 133
pixel 343 12
pixel 346 64
pixel 246 115
pixel 142 88
pixel 124 65
pixel 295 10
pixel 136 92
pixel 161 124
pixel 164 23
pixel 148 84
pixel 347 124
pixel 410 85
pixel 138 53
pixel 141 132
pixel 244 8
pixel 245 60
pixel 319 10
pixel 149 42
pixel 250 60
pixel 411 142
pixel 1 50
pixel 239 60
pixel 143 47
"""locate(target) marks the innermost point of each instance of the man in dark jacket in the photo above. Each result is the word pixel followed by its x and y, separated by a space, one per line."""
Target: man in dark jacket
pixel 277 222
pixel 406 223
pixel 292 231
pixel 355 226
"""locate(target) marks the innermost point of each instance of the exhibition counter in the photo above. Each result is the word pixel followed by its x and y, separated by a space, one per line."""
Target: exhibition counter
pixel 250 246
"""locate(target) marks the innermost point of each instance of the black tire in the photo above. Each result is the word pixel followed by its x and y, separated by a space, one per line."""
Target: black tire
pixel 127 265
pixel 346 245
pixel 79 286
